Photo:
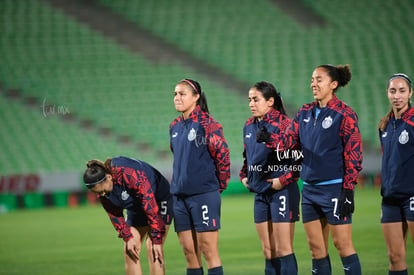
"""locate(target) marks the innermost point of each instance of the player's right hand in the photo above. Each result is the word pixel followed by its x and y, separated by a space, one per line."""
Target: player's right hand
pixel 245 182
pixel 132 250
pixel 262 135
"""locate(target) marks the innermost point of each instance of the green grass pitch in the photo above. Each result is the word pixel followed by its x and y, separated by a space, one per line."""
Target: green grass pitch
pixel 82 241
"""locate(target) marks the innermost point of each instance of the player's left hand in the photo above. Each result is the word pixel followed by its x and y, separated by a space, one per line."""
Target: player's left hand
pixel 347 205
pixel 158 254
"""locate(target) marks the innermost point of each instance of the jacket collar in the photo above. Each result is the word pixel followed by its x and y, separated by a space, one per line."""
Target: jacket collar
pixel 406 115
pixel 271 114
pixel 193 114
pixel 332 102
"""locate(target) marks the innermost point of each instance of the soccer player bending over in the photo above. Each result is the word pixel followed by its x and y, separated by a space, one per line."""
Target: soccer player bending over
pixel 125 183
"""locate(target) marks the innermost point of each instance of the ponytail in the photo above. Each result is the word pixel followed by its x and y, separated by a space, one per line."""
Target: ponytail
pixel 384 122
pixel 341 73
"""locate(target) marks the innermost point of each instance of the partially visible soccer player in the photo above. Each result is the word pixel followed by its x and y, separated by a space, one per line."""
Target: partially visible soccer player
pixel 125 183
pixel 274 180
pixel 201 171
pixel 396 133
pixel 328 133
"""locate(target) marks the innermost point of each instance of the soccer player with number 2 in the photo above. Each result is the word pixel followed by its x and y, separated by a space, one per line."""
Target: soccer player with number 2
pixel 125 183
pixel 327 131
pixel 201 171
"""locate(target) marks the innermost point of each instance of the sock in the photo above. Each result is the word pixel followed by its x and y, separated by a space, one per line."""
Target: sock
pixel 400 272
pixel 195 271
pixel 270 267
pixel 215 271
pixel 288 265
pixel 276 265
pixel 351 265
pixel 321 266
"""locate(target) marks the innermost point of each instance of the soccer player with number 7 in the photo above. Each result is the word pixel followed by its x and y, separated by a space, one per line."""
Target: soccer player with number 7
pixel 131 184
pixel 328 134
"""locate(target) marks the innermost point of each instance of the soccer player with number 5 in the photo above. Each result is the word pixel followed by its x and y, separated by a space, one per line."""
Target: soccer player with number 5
pixel 273 179
pixel 396 133
pixel 201 171
pixel 126 183
pixel 327 131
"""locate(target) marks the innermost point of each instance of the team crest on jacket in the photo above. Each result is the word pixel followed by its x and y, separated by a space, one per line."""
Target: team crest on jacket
pixel 192 134
pixel 404 138
pixel 327 122
pixel 124 195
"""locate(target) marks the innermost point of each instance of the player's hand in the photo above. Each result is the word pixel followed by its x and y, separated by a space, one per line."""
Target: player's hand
pixel 245 182
pixel 347 205
pixel 262 135
pixel 158 254
pixel 276 185
pixel 132 250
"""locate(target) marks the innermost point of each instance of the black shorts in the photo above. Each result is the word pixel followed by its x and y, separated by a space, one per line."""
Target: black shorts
pixel 397 210
pixel 200 212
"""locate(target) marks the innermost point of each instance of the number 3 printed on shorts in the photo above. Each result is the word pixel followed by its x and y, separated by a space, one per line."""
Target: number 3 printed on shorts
pixel 283 203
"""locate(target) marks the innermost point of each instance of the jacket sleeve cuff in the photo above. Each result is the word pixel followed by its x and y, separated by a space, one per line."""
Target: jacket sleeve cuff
pixel 283 180
pixel 350 181
pixel 126 238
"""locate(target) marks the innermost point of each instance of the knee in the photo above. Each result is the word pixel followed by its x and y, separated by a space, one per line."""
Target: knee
pixel 268 252
pixel 344 247
pixel 189 252
pixel 396 257
pixel 317 250
pixel 209 251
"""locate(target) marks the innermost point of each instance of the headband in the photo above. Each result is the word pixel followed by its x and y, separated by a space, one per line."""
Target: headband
pixel 91 184
pixel 403 76
pixel 191 84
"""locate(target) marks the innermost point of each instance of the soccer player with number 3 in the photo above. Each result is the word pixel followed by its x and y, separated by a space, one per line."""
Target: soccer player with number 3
pixel 201 171
pixel 327 131
pixel 125 183
pixel 396 133
pixel 273 178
